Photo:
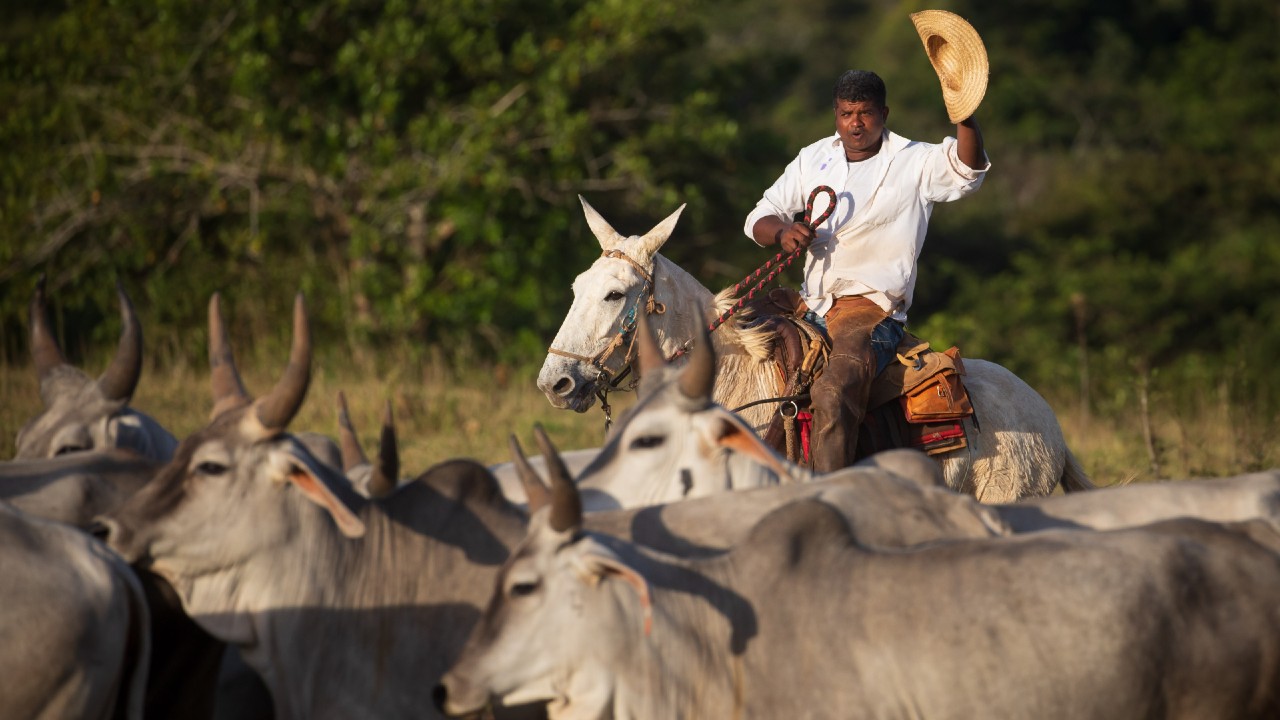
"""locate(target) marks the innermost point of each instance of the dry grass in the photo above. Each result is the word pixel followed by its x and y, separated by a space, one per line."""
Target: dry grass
pixel 439 413
pixel 444 413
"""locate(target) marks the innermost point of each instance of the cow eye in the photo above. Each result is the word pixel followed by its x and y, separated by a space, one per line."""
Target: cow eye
pixel 524 589
pixel 67 449
pixel 647 442
pixel 614 296
pixel 211 468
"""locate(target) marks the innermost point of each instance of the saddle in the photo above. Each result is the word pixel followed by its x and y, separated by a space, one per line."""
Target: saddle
pixel 919 401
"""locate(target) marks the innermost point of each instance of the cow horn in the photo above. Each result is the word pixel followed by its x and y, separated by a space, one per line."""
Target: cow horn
pixel 566 504
pixel 121 377
pixel 699 376
pixel 228 391
pixel 277 408
pixel 649 352
pixel 352 454
pixel 386 471
pixel 535 490
pixel 45 352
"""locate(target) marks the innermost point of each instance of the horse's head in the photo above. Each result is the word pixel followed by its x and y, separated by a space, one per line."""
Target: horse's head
pixel 594 344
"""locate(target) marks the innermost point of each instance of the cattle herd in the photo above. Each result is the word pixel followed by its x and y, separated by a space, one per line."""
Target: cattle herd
pixel 682 570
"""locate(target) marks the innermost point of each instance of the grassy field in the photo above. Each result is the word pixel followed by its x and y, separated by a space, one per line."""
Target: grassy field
pixel 444 413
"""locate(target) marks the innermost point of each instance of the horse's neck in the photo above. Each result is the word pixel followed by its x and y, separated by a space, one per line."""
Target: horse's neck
pixel 740 378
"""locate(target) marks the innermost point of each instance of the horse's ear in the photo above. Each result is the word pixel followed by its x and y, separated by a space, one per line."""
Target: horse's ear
pixel 653 240
pixel 604 232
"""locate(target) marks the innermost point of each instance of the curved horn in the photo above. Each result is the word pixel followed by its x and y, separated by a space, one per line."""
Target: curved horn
pixel 566 503
pixel 45 352
pixel 121 377
pixel 352 454
pixel 699 376
pixel 535 490
pixel 604 232
pixel 649 352
pixel 277 408
pixel 228 391
pixel 386 472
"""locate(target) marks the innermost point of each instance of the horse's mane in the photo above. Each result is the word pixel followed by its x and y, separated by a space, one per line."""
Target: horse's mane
pixel 756 340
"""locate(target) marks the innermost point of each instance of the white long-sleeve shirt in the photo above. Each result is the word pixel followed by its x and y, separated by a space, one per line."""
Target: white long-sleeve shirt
pixel 870 244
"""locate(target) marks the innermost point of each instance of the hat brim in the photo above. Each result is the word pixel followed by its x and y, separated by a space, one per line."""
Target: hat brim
pixel 958 57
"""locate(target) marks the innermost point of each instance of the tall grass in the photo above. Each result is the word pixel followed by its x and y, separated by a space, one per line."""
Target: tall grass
pixel 448 409
pixel 441 411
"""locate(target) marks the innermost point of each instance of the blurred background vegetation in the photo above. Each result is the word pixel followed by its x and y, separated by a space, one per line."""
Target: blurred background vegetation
pixel 413 166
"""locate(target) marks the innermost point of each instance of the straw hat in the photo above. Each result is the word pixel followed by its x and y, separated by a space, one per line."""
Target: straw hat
pixel 959 58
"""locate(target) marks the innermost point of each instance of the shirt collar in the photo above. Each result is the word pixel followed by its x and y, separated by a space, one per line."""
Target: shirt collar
pixel 890 145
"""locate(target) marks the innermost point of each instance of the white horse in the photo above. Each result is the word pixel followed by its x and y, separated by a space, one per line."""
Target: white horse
pixel 1017 451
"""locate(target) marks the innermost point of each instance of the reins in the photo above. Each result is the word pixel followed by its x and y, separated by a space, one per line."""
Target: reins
pixel 784 258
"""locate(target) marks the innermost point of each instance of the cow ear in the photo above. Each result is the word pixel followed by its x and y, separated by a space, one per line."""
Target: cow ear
pixel 597 562
pixel 728 430
pixel 306 476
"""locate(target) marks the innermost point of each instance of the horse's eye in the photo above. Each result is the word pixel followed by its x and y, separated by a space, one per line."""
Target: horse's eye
pixel 67 449
pixel 647 442
pixel 614 296
pixel 524 589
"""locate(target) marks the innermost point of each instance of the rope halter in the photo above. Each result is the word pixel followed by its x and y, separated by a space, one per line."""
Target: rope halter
pixel 607 379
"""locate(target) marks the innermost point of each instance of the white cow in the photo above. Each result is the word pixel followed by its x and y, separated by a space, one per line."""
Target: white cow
pixel 81 413
pixel 351 607
pixel 1019 451
pixel 799 620
pixel 73 631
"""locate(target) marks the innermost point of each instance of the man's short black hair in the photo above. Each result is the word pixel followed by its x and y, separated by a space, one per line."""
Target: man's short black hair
pixel 860 86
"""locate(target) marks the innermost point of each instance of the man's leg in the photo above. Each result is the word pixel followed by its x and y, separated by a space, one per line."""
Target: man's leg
pixel 838 398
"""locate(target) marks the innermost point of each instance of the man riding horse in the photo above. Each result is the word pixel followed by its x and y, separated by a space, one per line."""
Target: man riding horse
pixel 860 272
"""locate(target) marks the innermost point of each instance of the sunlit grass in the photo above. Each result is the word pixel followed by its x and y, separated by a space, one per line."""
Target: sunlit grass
pixel 443 412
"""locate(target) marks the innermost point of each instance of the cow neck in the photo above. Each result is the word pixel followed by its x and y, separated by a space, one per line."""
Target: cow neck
pixel 692 659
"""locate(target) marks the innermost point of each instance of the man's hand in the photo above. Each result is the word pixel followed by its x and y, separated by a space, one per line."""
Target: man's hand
pixel 776 231
pixel 793 236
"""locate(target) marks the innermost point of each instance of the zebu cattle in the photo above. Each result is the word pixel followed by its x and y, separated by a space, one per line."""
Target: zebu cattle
pixel 75 488
pixel 376 479
pixel 676 442
pixel 1224 499
pixel 1018 452
pixel 351 607
pixel 73 631
pixel 85 414
pixel 1175 620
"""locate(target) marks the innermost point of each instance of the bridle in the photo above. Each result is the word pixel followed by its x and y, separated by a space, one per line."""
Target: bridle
pixel 609 380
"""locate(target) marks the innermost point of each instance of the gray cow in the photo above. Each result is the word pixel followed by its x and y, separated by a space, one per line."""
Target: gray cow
pixel 73 630
pixel 348 607
pixel 81 413
pixel 75 488
pixel 1177 620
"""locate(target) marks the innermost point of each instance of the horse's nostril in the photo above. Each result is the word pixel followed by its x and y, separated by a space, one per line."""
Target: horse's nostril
pixel 562 386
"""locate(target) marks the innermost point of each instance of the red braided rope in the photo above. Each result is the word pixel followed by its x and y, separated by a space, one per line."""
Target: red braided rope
pixel 785 258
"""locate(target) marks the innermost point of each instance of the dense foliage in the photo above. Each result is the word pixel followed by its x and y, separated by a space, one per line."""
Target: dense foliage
pixel 413 165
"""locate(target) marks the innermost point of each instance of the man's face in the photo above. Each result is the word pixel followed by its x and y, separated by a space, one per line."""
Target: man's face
pixel 860 125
